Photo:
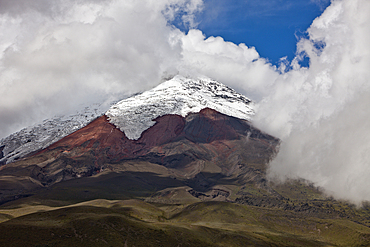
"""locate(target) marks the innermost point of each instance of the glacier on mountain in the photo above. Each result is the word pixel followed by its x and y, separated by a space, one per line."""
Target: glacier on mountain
pixel 179 96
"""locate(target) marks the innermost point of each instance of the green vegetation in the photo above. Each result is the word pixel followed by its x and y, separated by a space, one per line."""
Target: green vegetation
pixel 134 222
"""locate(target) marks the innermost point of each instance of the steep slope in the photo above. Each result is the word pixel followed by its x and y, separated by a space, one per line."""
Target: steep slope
pixel 42 135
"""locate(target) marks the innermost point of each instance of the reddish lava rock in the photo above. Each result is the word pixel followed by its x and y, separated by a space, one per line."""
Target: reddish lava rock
pixel 105 141
pixel 201 143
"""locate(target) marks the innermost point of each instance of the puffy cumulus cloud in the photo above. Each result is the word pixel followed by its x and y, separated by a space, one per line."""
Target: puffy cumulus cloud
pixel 55 55
pixel 321 113
pixel 238 66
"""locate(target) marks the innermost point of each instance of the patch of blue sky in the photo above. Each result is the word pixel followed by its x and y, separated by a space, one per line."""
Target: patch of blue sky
pixel 273 27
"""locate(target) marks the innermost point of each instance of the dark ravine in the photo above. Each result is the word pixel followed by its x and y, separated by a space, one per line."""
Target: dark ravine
pixel 1 151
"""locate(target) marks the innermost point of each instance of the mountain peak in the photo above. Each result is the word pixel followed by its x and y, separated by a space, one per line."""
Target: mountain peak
pixel 179 96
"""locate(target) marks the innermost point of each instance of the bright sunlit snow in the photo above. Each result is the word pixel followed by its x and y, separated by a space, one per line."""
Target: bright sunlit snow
pixel 179 96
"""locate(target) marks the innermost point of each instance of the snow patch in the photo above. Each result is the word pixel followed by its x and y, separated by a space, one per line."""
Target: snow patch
pixel 42 135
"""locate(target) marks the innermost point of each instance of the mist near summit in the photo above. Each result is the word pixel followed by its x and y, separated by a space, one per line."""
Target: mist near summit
pixel 57 55
pixel 321 113
pixel 54 56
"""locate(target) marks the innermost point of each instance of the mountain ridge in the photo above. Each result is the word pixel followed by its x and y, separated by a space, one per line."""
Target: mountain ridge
pixel 39 136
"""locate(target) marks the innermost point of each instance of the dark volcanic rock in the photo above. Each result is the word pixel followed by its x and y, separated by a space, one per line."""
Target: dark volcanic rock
pixel 1 151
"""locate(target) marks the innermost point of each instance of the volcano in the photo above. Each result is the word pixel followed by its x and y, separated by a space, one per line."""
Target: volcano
pixel 180 164
pixel 171 127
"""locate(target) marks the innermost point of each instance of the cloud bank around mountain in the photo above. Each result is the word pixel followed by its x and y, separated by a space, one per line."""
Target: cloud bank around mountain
pixel 56 55
pixel 322 113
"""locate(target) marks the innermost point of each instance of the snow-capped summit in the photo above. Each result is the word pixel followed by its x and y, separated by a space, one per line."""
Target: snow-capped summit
pixel 134 115
pixel 179 96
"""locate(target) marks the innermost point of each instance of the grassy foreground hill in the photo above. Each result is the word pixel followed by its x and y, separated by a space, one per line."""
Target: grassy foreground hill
pixel 70 213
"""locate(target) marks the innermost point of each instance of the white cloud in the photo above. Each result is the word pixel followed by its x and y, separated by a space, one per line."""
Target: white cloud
pixel 322 113
pixel 238 66
pixel 54 56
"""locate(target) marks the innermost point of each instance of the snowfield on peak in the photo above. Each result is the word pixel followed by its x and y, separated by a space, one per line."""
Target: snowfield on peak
pixel 179 96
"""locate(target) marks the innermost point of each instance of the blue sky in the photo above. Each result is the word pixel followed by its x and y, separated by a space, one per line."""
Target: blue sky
pixel 273 27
